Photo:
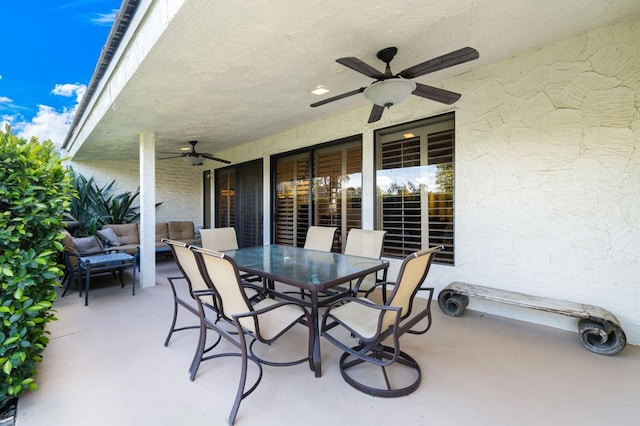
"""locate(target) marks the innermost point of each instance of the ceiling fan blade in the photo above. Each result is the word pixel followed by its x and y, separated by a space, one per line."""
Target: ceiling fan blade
pixel 435 94
pixel 211 157
pixel 361 67
pixel 167 158
pixel 376 113
pixel 450 59
pixel 338 97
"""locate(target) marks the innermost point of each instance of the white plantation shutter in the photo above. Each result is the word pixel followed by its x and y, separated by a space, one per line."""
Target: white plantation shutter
pixel 326 194
pixel 415 165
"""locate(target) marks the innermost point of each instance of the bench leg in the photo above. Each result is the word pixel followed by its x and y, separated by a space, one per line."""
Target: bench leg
pixel 452 303
pixel 603 338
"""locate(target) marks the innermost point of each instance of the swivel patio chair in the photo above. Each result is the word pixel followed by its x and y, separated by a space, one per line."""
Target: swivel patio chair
pixel 378 328
pixel 264 322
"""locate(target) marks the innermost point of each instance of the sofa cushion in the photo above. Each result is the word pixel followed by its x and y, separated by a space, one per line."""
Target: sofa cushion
pixel 87 245
pixel 182 231
pixel 128 232
pixel 67 242
pixel 110 236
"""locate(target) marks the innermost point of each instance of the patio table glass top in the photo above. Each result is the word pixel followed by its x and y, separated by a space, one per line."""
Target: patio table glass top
pixel 308 269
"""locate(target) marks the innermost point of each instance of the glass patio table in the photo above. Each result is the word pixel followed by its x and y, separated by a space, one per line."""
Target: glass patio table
pixel 309 270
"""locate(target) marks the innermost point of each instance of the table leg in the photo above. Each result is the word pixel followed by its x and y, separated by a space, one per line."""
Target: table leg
pixel 87 277
pixel 133 283
pixel 316 357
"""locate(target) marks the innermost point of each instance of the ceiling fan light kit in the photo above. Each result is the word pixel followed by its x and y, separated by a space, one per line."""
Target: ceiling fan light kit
pixel 389 92
pixel 390 89
pixel 193 161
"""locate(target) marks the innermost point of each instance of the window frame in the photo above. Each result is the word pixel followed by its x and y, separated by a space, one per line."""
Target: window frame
pixel 439 124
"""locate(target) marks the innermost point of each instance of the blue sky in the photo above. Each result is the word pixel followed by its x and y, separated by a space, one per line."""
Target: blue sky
pixel 49 51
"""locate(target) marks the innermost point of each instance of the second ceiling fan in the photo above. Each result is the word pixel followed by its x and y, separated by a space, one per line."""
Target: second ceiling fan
pixel 195 158
pixel 389 88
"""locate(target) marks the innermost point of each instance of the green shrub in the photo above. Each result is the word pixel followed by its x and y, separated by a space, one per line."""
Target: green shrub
pixel 35 190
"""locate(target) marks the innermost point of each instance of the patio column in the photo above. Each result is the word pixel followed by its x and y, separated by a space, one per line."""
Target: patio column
pixel 368 178
pixel 147 209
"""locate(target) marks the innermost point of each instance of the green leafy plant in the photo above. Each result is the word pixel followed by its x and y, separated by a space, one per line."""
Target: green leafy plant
pixel 96 206
pixel 35 191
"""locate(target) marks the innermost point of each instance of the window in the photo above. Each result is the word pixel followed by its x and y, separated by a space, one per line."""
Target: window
pixel 415 187
pixel 322 186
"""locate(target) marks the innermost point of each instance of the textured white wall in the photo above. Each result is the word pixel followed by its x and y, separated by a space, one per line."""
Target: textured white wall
pixel 547 173
pixel 178 186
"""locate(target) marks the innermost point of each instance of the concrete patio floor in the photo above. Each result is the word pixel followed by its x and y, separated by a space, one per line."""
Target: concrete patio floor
pixel 106 365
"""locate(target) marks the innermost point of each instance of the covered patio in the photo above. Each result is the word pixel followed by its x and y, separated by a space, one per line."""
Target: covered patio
pixel 106 365
pixel 542 173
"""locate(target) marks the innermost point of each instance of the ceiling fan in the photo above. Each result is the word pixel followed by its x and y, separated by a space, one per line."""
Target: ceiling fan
pixel 196 158
pixel 390 89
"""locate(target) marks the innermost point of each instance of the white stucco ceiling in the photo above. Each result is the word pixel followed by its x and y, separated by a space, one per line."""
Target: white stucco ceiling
pixel 229 72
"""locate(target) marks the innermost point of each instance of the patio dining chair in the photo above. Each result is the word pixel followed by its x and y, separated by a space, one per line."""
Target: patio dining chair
pixel 378 328
pixel 320 238
pixel 264 322
pixel 195 284
pixel 221 239
pixel 366 243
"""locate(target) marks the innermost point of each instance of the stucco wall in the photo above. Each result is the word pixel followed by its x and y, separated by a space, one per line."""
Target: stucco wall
pixel 178 186
pixel 547 173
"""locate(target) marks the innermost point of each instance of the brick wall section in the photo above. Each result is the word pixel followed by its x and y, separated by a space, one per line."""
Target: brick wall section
pixel 178 186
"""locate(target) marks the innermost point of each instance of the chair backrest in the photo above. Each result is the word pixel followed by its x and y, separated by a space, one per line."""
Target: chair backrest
pixel 365 243
pixel 221 274
pixel 188 265
pixel 181 230
pixel 219 239
pixel 320 238
pixel 412 273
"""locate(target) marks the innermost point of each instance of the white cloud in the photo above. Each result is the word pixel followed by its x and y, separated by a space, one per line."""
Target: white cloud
pixel 49 123
pixel 5 100
pixel 105 18
pixel 69 90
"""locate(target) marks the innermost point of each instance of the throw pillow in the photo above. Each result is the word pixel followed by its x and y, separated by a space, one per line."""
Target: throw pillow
pixel 87 245
pixel 110 236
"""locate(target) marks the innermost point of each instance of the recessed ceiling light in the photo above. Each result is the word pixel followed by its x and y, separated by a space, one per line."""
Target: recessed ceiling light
pixel 320 90
pixel 184 148
pixel 408 135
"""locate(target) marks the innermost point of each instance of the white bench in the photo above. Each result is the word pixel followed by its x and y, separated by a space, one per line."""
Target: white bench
pixel 600 331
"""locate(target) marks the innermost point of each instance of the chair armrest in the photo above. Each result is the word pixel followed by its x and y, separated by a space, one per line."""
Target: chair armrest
pixel 382 310
pixel 273 334
pixel 261 311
